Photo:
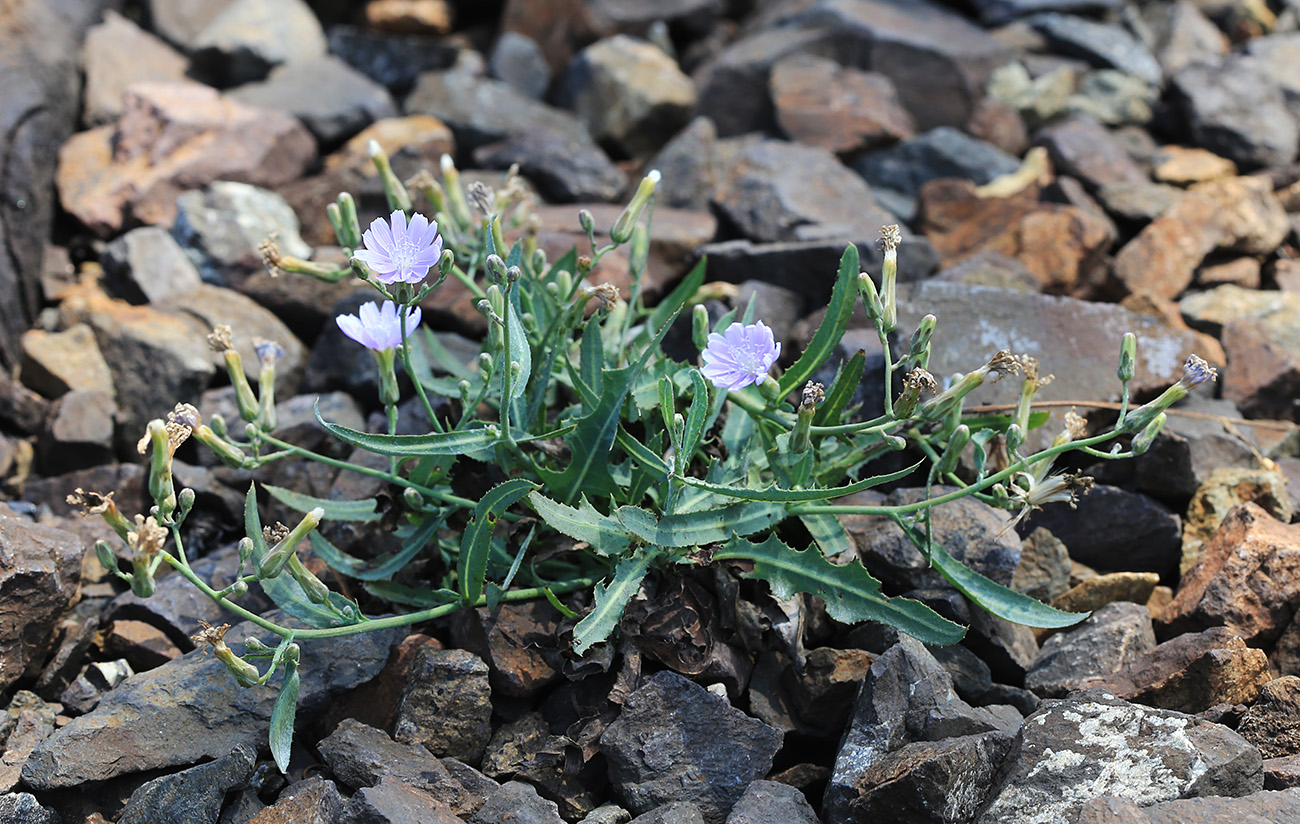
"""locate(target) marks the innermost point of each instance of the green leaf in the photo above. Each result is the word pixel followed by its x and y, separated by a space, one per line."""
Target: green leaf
pixel 592 367
pixel 641 453
pixel 688 529
pixel 363 511
pixel 841 391
pixel 1000 423
pixel 697 416
pixel 792 496
pixel 676 299
pixel 582 524
pixel 611 600
pixel 850 593
pixel 838 312
pixel 520 352
pixel 411 596
pixel 442 356
pixel 458 442
pixel 828 533
pixel 283 714
pixel 380 568
pixel 476 543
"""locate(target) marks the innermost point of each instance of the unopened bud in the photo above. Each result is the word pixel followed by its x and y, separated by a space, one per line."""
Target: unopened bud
pixel 275 559
pixel 349 228
pixel 244 397
pixel 1142 441
pixel 586 221
pixel 394 191
pixel 622 229
pixel 952 452
pixel 316 591
pixel 161 489
pixel 700 326
pixel 496 267
pixel 1127 357
pixel 871 299
pixel 107 558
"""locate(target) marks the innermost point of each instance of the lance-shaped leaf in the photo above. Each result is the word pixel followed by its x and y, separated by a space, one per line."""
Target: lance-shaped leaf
pixel 377 569
pixel 841 391
pixel 411 596
pixel 582 524
pixel 520 352
pixel 792 496
pixel 850 592
pixel 675 301
pixel 334 510
pixel 611 600
pixel 283 714
pixel 476 543
pixel 688 529
pixel 459 442
pixel 843 298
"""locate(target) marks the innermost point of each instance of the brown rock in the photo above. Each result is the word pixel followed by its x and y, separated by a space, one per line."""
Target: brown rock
pixel 995 122
pixel 1273 723
pixel 560 27
pixel 40 570
pixel 1287 275
pixel 409 16
pixel 1164 255
pixel 518 642
pixel 1181 165
pixel 1256 807
pixel 1100 590
pixel 823 693
pixel 1282 773
pixel 118 54
pixel 1264 380
pixel 414 142
pixel 1083 148
pixel 1191 673
pixel 1225 488
pixel 1250 215
pixel 27 722
pixel 842 109
pixel 55 363
pixel 1064 247
pixel 170 138
pixel 143 645
pixel 1242 271
pixel 446 704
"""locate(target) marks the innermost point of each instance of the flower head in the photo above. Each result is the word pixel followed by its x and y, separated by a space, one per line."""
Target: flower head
pixel 400 252
pixel 740 356
pixel 1197 371
pixel 378 327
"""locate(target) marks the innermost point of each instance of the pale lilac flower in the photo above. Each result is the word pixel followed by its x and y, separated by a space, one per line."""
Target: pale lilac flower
pixel 378 327
pixel 398 252
pixel 740 356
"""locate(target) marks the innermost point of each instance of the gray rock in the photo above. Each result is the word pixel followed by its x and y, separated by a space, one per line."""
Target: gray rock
pixel 1104 46
pixel 332 99
pixel 1237 110
pixel 1189 448
pixel 116 54
pixel 80 434
pixel 360 756
pixel 679 812
pixel 192 796
pixel 1077 749
pixel 1044 569
pixel 313 800
pixel 772 191
pixel 686 165
pixel 518 60
pixel 564 169
pixel 675 741
pixel 1180 34
pixel 446 704
pixel 40 572
pixel 182 21
pixel 943 152
pixel 628 93
pixel 517 803
pixel 221 226
pixel 147 264
pixel 1114 98
pixel 999 12
pixel 26 722
pixel 635 17
pixel 23 808
pixel 769 802
pixel 248 38
pixel 1137 203
pixel 514 743
pixel 150 721
pixel 1276 55
pixel 393 802
pixel 392 60
pixel 608 814
pixel 1113 637
pixel 1083 148
pixel 1257 807
pixel 1113 530
pixel 55 363
pixel 970 675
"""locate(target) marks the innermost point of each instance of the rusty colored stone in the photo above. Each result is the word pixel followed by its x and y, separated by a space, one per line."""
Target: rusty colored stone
pixel 1273 723
pixel 1225 488
pixel 1183 165
pixel 839 108
pixel 1164 255
pixel 1100 590
pixel 410 16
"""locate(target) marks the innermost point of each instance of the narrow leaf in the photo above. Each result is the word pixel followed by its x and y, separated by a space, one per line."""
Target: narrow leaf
pixel 436 443
pixel 688 529
pixel 379 568
pixel 838 312
pixel 611 600
pixel 790 496
pixel 582 524
pixel 841 391
pixel 411 596
pixel 283 714
pixel 592 349
pixel 334 510
pixel 828 533
pixel 476 543
pixel 520 352
pixel 697 415
pixel 676 299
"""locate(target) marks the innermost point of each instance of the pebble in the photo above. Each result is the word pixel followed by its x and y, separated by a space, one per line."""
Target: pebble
pixel 313 800
pixel 410 16
pixel 847 111
pixel 939 153
pixel 55 363
pixel 361 755
pixel 1100 590
pixel 193 796
pixel 518 60
pixel 517 803
pixel 147 264
pixel 26 723
pixel 1081 147
pixel 686 165
pixel 23 808
pixel 1113 637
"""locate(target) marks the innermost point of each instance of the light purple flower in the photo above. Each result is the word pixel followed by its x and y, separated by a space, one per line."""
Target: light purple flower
pixel 398 252
pixel 378 327
pixel 740 356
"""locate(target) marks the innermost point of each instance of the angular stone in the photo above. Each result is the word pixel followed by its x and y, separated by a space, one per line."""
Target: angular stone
pixel 1083 148
pixel 446 704
pixel 1113 529
pixel 1100 590
pixel 1044 568
pixel 517 802
pixel 944 152
pixel 55 363
pixel 1224 489
pixel 412 143
pixel 20 407
pixel 518 643
pixel 40 570
pixel 392 60
pixel 1236 109
pixel 361 755
pixel 193 796
pixel 844 110
pixel 1191 673
pixel 1273 722
pixel 147 264
pixel 1164 256
pixel 999 12
pixel 222 225
pixel 1114 98
pixel 1102 45
pixel 410 16
pixel 1184 166
pixel 313 800
pixel 1261 807
pixel 1110 639
pixel 26 723
pixel 23 808
pixel 565 170
pixel 1189 449
pixel 674 741
pixel 182 21
pixel 767 802
pixel 143 645
pixel 332 99
pixel 1067 754
pixel 393 802
pixel 251 37
pixel 117 54
pixel 1137 203
pixel 518 60
pixel 1180 34
pixel 1247 578
pixel 1282 773
pixel 80 433
pixel 172 137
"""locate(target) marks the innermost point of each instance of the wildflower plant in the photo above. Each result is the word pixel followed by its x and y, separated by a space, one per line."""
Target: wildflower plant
pixel 616 458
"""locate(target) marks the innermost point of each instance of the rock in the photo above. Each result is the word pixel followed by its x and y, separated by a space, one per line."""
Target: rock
pixel 142 645
pixel 23 808
pixel 1044 568
pixel 1267 806
pixel 628 93
pixel 767 802
pixel 1137 204
pixel 147 264
pixel 26 723
pixel 1271 723
pixel 939 153
pixel 518 643
pixel 182 21
pixel 1282 773
pixel 446 704
pixel 150 723
pixel 1112 529
pixel 1245 580
pixel 332 99
pixel 313 800
pixel 823 692
pixel 1189 449
pixel 1100 590
pixel 171 137
pixel 611 814
pixel 680 812
pixel 1102 45
pixel 80 433
pixel 409 16
pixel 248 38
pixel 1191 673
pixel 1066 752
pixel 772 190
pixel 1112 638
pixel 1164 256
pixel 517 803
pixel 393 802
pixel 1083 148
pixel 674 741
pixel 1224 489
pixel 40 570
pixel 513 744
pixel 361 756
pixel 841 109
pixel 56 363
pixel 116 54
pixel 222 225
pixel 518 60
pixel 1235 109
pixel 393 61
pixel 412 143
pixel 686 164
pixel 21 408
pixel 1114 98
pixel 1274 54
pixel 1183 166
pixel 1180 34
pixel 565 170
pixel 999 12
pixel 193 796
pixel 1265 375
pixel 937 60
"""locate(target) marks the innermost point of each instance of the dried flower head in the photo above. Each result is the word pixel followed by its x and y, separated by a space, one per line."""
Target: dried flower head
pixel 607 293
pixel 181 423
pixel 1075 426
pixel 219 339
pixel 379 327
pixel 274 534
pixel 482 197
pixel 271 256
pixel 890 238
pixel 398 251
pixel 1003 363
pixel 81 497
pixel 740 356
pixel 813 394
pixel 147 539
pixel 921 381
pixel 210 637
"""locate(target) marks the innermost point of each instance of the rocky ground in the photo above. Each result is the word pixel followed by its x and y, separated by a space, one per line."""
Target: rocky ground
pixel 1065 170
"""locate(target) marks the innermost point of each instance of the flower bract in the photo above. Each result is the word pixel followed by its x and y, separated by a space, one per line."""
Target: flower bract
pixel 400 252
pixel 740 356
pixel 378 327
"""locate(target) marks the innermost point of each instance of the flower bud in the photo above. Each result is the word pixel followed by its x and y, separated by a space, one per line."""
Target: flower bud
pixel 700 326
pixel 160 471
pixel 871 299
pixel 412 498
pixel 496 267
pixel 622 230
pixel 396 194
pixel 639 252
pixel 586 221
pixel 895 442
pixel 513 274
pixel 447 262
pixel 1127 357
pixel 351 236
pixel 952 452
pixel 538 262
pixel 246 675
pixel 456 203
pixel 918 348
pixel 890 238
pixel 275 559
pixel 1015 437
pixel 184 503
pixel 1142 441
pixel 107 559
pixel 268 352
pixel 316 591
pixel 770 389
pixel 244 397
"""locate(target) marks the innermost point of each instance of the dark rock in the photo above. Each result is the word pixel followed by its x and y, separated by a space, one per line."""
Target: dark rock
pixel 518 642
pixel 1236 110
pixel 517 803
pixel 1188 449
pixel 841 109
pixel 394 61
pixel 823 692
pixel 1282 773
pixel 1275 54
pixel 1113 637
pixel 1102 45
pixel 678 812
pixel 564 169
pixel 1273 722
pixel 686 165
pixel 938 153
pixel 518 60
pixel 446 704
pixel 1266 806
pixel 970 675
pixel 23 808
pixel 118 53
pixel 150 722
pixel 192 796
pixel 361 755
pixel 611 814
pixel 77 631
pixel 248 38
pixel 1000 12
pixel 26 722
pixel 332 99
pixel 20 407
pixel 142 645
pixel 1137 203
pixel 394 802
pixel 1083 148
pixel 1065 753
pixel 147 264
pixel 40 570
pixel 674 741
pixel 1116 530
pixel 1180 34
pixel 313 800
pixel 631 17
pixel 1044 568
pixel 514 743
pixel 767 802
